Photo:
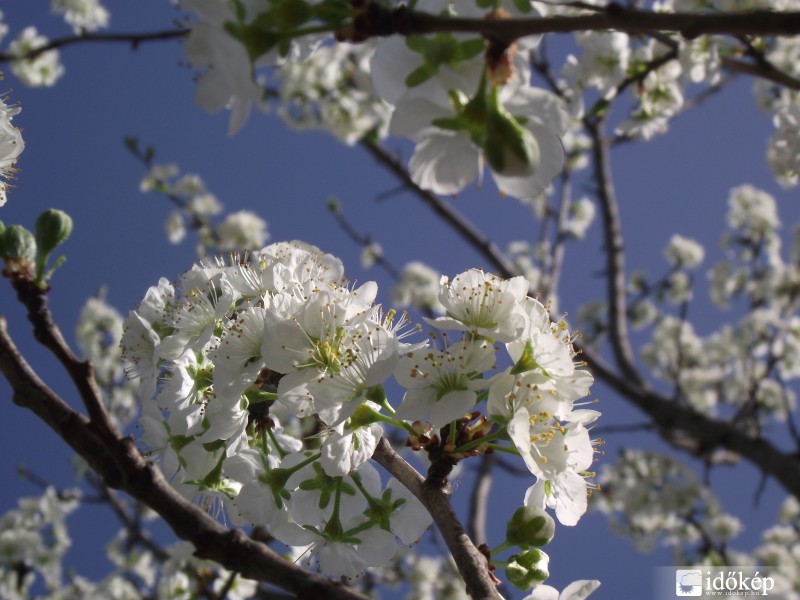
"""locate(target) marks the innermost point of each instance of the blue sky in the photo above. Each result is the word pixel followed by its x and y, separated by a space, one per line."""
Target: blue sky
pixel 75 160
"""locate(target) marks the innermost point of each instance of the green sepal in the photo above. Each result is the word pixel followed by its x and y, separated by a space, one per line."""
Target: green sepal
pixel 526 362
pixel 527 569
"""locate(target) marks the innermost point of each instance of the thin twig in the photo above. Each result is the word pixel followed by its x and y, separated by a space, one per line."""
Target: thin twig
pixel 453 218
pixel 615 254
pixel 134 39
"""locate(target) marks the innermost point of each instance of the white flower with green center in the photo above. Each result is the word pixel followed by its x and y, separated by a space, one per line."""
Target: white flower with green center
pixel 371 358
pixel 542 345
pixel 483 304
pixel 320 340
pixel 185 392
pixel 443 385
pixel 41 71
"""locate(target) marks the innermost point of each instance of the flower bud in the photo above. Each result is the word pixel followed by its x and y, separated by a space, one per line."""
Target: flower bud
pixel 510 149
pixel 528 568
pixel 18 249
pixel 52 229
pixel 530 526
pixel 18 242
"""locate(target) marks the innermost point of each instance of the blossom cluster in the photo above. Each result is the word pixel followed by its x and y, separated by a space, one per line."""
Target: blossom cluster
pixel 197 207
pixel 748 365
pixel 33 541
pixel 234 357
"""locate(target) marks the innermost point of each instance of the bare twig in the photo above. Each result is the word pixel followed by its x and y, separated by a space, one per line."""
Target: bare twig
pixel 47 333
pixel 133 39
pixel 453 218
pixel 615 254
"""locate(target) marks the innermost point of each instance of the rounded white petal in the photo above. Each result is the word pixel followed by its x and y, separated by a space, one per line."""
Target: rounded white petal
pixel 444 163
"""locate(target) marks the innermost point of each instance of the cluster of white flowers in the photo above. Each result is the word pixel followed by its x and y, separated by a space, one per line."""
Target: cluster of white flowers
pixel 33 541
pixel 332 90
pixel 683 252
pixel 653 499
pixel 41 70
pixel 242 230
pixel 234 356
pixel 463 111
pixel 747 365
pixel 82 15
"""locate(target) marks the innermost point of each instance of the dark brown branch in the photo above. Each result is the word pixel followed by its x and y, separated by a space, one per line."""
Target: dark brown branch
pixel 703 434
pixel 769 72
pixel 379 21
pixel 134 39
pixel 472 565
pixel 120 465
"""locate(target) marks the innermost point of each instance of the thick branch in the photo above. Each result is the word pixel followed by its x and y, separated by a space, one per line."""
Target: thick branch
pixel 616 17
pixel 472 565
pixel 706 434
pixel 121 465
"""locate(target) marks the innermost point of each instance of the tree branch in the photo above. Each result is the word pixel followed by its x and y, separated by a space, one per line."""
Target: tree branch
pixel 451 216
pixel 472 565
pixel 706 434
pixel 615 254
pixel 378 21
pixel 134 39
pixel 479 499
pixel 47 333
